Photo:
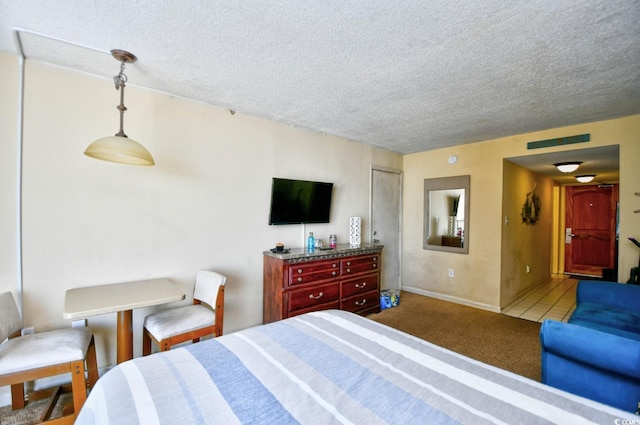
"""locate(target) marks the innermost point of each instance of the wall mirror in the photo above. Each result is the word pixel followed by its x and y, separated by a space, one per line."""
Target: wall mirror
pixel 446 214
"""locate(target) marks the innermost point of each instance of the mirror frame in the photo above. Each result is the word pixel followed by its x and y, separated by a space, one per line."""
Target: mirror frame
pixel 446 183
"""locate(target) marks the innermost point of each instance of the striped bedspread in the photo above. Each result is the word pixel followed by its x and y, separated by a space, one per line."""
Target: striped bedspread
pixel 324 368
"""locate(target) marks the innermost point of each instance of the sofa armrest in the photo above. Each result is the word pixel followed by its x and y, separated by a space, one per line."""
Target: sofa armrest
pixel 609 293
pixel 591 347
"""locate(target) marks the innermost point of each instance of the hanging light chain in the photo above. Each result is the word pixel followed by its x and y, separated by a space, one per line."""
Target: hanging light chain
pixel 121 78
pixel 119 81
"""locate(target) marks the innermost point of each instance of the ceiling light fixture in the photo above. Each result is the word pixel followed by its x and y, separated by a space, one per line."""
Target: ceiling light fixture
pixel 585 178
pixel 567 167
pixel 120 148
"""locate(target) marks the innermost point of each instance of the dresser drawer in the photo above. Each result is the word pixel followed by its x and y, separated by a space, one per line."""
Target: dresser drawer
pixel 315 295
pixel 363 301
pixel 361 264
pixel 333 305
pixel 313 272
pixel 359 285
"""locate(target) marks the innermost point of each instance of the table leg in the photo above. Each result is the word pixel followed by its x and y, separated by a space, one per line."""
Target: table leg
pixel 125 336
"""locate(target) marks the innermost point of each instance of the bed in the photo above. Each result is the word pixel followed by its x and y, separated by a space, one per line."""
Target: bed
pixel 323 368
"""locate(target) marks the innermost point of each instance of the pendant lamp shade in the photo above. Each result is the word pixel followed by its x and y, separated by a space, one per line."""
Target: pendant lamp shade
pixel 119 149
pixel 568 167
pixel 586 178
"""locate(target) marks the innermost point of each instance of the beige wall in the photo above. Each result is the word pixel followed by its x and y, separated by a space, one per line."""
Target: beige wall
pixel 477 274
pixel 524 244
pixel 204 205
pixel 479 277
pixel 8 176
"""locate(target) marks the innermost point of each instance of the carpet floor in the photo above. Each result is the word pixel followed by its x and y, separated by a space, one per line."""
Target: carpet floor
pixel 32 412
pixel 506 342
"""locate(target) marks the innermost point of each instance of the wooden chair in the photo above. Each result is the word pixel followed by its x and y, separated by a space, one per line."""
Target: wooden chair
pixel 29 357
pixel 205 317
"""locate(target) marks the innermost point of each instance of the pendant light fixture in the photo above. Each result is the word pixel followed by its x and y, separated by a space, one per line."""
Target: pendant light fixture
pixel 120 148
pixel 567 167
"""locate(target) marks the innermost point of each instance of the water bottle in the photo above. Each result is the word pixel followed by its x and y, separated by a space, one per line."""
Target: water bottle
pixel 311 243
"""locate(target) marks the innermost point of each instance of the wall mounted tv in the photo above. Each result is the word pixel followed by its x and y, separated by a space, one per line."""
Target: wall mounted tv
pixel 299 201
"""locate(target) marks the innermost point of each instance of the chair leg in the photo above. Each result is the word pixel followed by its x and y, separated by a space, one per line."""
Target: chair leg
pixel 53 400
pixel 146 343
pixel 17 396
pixel 92 364
pixel 219 311
pixel 163 345
pixel 78 385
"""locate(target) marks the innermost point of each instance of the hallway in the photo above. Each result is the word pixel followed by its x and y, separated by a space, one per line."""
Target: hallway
pixel 554 300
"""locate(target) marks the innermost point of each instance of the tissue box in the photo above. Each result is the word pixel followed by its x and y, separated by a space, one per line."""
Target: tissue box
pixel 389 298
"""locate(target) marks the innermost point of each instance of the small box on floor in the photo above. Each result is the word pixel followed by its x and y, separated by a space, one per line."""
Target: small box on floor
pixel 389 298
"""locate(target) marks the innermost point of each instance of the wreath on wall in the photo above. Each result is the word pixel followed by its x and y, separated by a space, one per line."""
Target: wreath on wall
pixel 531 208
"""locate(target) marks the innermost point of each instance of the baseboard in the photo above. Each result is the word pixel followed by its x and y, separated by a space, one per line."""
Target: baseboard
pixel 450 298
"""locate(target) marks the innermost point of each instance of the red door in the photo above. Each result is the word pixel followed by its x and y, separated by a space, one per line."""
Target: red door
pixel 590 229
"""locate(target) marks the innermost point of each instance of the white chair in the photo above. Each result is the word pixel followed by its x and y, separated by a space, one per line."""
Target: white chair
pixel 190 323
pixel 29 357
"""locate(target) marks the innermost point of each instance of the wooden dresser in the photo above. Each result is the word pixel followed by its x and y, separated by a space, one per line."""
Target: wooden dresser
pixel 343 278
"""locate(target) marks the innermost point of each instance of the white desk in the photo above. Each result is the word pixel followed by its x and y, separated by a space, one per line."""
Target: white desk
pixel 122 298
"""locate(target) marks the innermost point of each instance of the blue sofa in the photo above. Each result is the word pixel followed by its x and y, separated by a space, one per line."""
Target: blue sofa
pixel 597 354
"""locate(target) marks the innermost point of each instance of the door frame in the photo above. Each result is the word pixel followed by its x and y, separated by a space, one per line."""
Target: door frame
pixel 400 173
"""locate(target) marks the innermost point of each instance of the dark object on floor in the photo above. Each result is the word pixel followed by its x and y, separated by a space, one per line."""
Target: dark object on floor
pixel 583 277
pixel 610 275
pixel 634 276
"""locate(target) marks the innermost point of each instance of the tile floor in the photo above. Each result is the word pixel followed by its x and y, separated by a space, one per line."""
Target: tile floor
pixel 554 300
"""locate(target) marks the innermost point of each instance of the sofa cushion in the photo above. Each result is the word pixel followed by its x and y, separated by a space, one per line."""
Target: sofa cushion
pixel 612 317
pixel 608 329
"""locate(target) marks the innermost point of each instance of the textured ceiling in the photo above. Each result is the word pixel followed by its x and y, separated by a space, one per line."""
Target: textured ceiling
pixel 406 76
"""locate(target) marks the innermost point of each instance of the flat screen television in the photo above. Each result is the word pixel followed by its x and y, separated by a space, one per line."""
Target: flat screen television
pixel 299 201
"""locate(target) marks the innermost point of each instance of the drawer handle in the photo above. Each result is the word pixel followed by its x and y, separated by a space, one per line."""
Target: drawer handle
pixel 334 273
pixel 348 270
pixel 348 263
pixel 299 270
pixel 316 298
pixel 375 258
pixel 361 303
pixel 375 265
pixel 299 279
pixel 361 285
pixel 334 265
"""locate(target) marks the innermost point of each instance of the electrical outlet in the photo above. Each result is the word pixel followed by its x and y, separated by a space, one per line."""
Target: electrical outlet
pixel 451 273
pixel 28 331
